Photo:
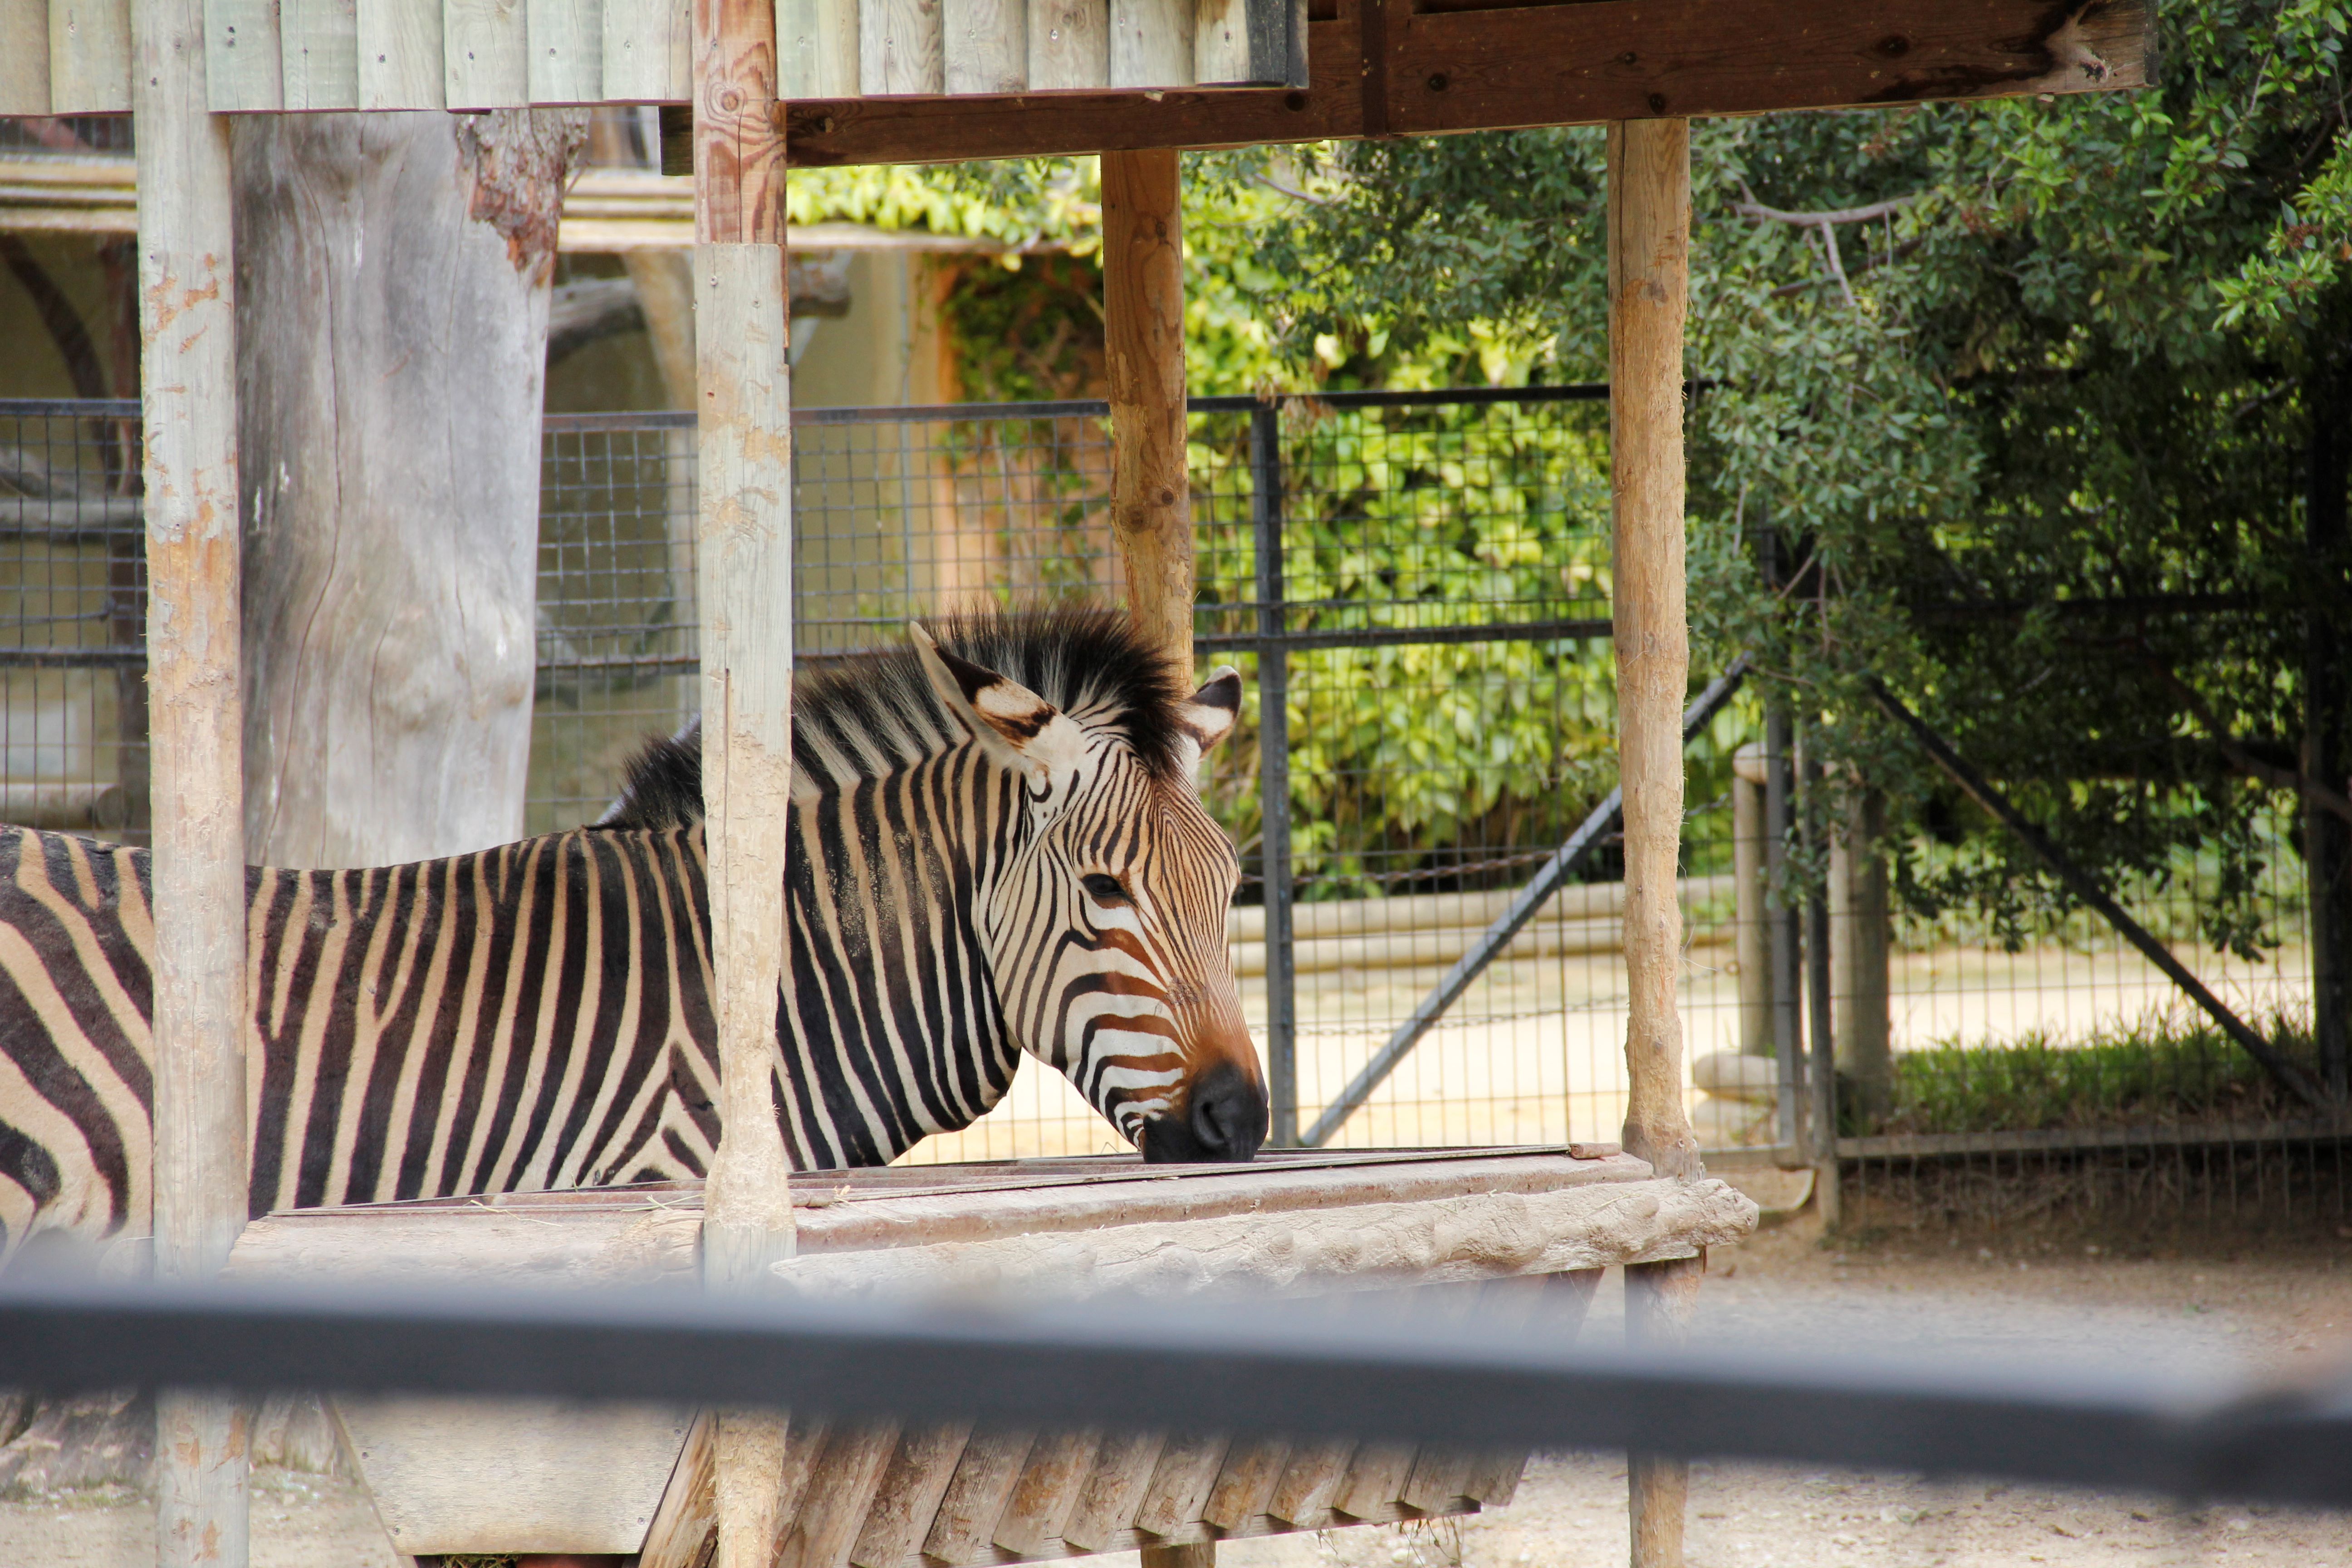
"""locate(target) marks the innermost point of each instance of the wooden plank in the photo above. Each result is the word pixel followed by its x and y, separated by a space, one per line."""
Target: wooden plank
pixel 242 66
pixel 1047 1492
pixel 24 57
pixel 682 1527
pixel 566 56
pixel 400 55
pixel 1245 1482
pixel 319 54
pixel 89 57
pixel 901 47
pixel 1375 1478
pixel 196 1183
pixel 649 52
pixel 485 54
pixel 1069 44
pixel 1310 1478
pixel 1151 43
pixel 1494 1478
pixel 1123 1469
pixel 908 1497
pixel 840 1489
pixel 802 1453
pixel 974 1499
pixel 1438 1475
pixel 985 44
pixel 1143 325
pixel 820 47
pixel 1242 41
pixel 1187 1467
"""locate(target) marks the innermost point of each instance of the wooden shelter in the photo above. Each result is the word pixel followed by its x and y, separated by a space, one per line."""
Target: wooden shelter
pixel 864 82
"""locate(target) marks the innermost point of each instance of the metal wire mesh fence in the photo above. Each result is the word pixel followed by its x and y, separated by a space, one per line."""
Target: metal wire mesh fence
pixel 1416 587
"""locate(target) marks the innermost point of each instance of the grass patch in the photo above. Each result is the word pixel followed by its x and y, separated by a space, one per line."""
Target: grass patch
pixel 2160 1070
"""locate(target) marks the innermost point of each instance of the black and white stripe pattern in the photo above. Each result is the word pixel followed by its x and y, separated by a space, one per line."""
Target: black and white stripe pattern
pixel 997 847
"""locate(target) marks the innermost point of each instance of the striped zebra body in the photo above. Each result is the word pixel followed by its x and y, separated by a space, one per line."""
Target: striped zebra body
pixel 538 1015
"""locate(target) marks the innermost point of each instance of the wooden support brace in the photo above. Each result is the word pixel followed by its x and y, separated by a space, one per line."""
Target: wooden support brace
pixel 1649 256
pixel 1143 314
pixel 188 363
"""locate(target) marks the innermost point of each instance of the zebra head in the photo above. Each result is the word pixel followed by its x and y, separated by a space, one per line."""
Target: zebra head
pixel 1105 925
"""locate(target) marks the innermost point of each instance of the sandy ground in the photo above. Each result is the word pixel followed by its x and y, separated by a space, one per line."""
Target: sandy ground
pixel 2284 1311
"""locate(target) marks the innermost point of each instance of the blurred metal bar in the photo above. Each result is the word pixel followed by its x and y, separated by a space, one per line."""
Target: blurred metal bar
pixel 1293 1368
pixel 1781 934
pixel 1820 1023
pixel 1547 882
pixel 1274 772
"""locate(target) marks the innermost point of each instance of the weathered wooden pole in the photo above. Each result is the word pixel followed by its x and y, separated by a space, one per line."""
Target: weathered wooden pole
pixel 743 369
pixel 188 365
pixel 1143 327
pixel 1649 279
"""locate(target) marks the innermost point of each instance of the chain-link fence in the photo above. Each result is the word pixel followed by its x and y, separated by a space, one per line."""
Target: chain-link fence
pixel 1423 580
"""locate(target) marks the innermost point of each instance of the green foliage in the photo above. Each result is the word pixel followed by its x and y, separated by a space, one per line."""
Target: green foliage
pixel 2160 1070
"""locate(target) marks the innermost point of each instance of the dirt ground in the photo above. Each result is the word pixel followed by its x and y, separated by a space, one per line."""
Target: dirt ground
pixel 2286 1310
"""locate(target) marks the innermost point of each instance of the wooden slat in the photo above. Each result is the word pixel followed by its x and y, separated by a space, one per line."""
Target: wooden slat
pixel 1309 1480
pixel 682 1526
pixel 24 57
pixel 1376 1479
pixel 1438 1475
pixel 841 1488
pixel 319 54
pixel 1047 1492
pixel 985 44
pixel 89 57
pixel 1069 44
pixel 909 1494
pixel 974 1499
pixel 400 55
pixel 819 39
pixel 1494 1478
pixel 1242 41
pixel 483 54
pixel 649 52
pixel 1188 1469
pixel 242 68
pixel 566 57
pixel 901 48
pixel 1123 1468
pixel 1151 43
pixel 1245 1482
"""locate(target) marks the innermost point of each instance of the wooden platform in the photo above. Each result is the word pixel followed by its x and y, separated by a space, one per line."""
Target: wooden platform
pixel 1525 1229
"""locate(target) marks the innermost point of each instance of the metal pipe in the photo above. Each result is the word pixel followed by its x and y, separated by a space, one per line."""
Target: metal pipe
pixel 1274 775
pixel 1782 936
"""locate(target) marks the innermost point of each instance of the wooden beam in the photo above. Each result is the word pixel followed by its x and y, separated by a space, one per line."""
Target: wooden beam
pixel 196 716
pixel 744 368
pixel 1143 316
pixel 1449 67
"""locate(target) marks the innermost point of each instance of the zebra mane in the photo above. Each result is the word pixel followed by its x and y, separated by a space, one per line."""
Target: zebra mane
pixel 867 714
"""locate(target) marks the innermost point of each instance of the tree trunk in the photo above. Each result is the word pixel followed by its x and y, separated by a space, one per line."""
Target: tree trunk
pixel 393 275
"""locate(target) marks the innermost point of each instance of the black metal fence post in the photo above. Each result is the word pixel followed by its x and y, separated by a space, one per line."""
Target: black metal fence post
pixel 1274 772
pixel 1782 916
pixel 1819 1023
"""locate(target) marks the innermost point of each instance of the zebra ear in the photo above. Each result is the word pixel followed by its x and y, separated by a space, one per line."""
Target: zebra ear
pixel 1021 729
pixel 1208 716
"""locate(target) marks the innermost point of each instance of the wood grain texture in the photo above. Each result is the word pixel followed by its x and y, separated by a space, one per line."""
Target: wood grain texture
pixel 739 142
pixel 818 40
pixel 841 1489
pixel 1143 325
pixel 25 57
pixel 242 69
pixel 485 54
pixel 901 47
pixel 400 55
pixel 985 44
pixel 1494 1479
pixel 908 1496
pixel 1375 1478
pixel 1046 1492
pixel 1243 41
pixel 1660 1299
pixel 188 366
pixel 1649 288
pixel 319 54
pixel 566 55
pixel 1310 1478
pixel 975 1498
pixel 89 57
pixel 1179 1484
pixel 1438 1475
pixel 1245 1481
pixel 1151 43
pixel 649 52
pixel 1123 1468
pixel 683 1527
pixel 1069 44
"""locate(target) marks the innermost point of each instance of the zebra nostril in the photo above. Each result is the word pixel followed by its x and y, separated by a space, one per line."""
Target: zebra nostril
pixel 1229 1117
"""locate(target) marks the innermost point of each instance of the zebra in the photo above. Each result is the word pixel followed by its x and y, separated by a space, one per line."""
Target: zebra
pixel 997 846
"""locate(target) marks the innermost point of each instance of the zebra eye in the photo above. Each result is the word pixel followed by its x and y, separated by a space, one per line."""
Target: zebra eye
pixel 1103 888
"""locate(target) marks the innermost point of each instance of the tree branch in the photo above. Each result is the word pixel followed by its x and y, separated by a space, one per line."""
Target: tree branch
pixel 2238 757
pixel 1756 209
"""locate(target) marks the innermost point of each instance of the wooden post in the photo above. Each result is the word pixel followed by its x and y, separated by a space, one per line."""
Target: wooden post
pixel 1860 935
pixel 743 368
pixel 1649 258
pixel 1143 317
pixel 188 351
